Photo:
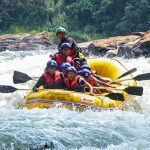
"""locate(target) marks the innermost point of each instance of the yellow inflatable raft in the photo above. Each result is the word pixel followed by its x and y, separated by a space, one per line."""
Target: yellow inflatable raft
pixel 83 101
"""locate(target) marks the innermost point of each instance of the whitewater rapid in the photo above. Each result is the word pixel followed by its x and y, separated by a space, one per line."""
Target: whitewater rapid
pixel 21 129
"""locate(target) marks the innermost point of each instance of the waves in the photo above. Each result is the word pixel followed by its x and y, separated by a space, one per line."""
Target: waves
pixel 68 130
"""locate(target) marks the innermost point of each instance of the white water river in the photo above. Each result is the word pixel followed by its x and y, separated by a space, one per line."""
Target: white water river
pixel 21 129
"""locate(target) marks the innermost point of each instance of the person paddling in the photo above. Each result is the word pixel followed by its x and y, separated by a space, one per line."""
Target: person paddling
pixel 93 72
pixel 76 83
pixel 63 38
pixel 63 56
pixel 87 75
pixel 52 79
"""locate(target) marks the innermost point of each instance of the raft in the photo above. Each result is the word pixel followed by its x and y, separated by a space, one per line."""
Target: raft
pixel 79 101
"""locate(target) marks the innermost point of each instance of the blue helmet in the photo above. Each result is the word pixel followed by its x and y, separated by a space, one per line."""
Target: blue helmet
pixel 85 67
pixel 85 73
pixel 71 69
pixel 63 45
pixel 65 65
pixel 52 63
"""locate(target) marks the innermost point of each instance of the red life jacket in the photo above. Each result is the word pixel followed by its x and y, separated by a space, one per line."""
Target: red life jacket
pixel 55 83
pixel 74 85
pixel 60 60
pixel 49 79
pixel 91 80
pixel 73 54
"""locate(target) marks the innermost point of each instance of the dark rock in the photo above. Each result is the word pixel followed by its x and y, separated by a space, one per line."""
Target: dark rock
pixel 126 52
pixel 15 42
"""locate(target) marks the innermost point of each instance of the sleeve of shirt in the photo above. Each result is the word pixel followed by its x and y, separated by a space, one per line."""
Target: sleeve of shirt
pixel 40 82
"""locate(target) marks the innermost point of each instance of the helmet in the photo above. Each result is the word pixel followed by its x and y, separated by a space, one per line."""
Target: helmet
pixel 71 69
pixel 85 67
pixel 52 63
pixel 60 29
pixel 63 45
pixel 85 73
pixel 76 59
pixel 65 65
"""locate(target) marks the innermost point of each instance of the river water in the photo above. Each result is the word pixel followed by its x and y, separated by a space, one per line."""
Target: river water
pixel 21 129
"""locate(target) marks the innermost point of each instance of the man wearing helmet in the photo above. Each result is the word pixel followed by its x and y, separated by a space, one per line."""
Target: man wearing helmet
pixel 76 83
pixel 52 79
pixel 63 56
pixel 63 68
pixel 87 75
pixel 63 38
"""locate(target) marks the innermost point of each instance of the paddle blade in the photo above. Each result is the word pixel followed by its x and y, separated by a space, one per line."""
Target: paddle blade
pixel 7 89
pixel 141 77
pixel 20 77
pixel 134 90
pixel 115 96
pixel 127 73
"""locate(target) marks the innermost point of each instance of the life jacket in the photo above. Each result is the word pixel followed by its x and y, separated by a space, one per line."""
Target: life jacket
pixel 60 60
pixel 53 83
pixel 73 54
pixel 91 80
pixel 74 85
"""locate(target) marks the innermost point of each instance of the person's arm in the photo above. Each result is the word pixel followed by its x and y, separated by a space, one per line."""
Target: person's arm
pixel 103 79
pixel 102 83
pixel 39 83
pixel 63 79
pixel 82 81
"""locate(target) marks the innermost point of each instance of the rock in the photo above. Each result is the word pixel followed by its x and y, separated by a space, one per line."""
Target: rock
pixel 132 46
pixel 126 52
pixel 15 42
pixel 143 45
pixel 112 43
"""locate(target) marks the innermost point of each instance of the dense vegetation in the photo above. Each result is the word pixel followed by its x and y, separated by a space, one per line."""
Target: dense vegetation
pixel 103 17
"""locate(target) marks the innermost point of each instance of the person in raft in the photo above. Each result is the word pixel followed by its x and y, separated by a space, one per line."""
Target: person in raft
pixel 63 55
pixel 75 50
pixel 52 79
pixel 77 63
pixel 63 68
pixel 87 75
pixel 75 82
pixel 93 72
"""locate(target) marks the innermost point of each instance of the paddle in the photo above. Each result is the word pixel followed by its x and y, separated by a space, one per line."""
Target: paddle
pixel 11 89
pixel 127 73
pixel 20 77
pixel 115 96
pixel 140 77
pixel 132 90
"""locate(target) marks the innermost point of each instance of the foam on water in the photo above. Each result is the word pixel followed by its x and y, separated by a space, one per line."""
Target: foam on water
pixel 68 130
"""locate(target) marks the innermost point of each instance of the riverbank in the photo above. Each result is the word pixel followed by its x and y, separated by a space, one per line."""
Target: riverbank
pixel 130 46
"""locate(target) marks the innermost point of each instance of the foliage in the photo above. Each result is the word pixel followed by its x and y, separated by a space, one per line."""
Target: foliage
pixel 85 19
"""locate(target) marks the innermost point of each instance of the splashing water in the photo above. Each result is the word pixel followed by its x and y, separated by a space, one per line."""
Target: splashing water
pixel 21 129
